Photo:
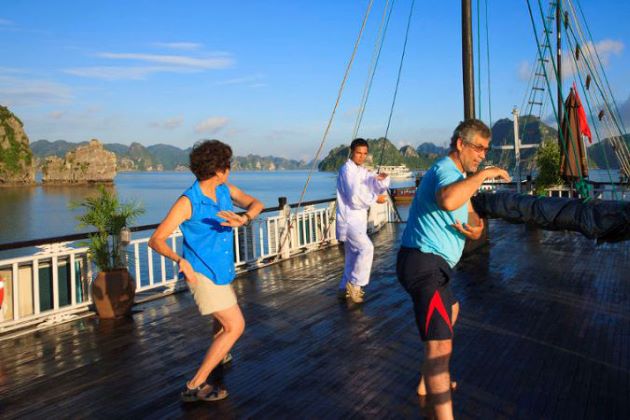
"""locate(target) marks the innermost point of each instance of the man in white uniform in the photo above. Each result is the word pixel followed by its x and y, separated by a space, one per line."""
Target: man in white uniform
pixel 357 190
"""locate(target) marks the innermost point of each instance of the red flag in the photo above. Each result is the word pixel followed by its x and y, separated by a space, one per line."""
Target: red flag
pixel 582 121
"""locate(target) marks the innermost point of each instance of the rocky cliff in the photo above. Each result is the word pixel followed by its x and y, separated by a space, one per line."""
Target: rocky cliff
pixel 16 159
pixel 408 152
pixel 86 164
pixel 162 157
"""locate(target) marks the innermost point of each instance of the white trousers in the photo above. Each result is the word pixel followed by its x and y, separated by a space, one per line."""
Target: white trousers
pixel 359 253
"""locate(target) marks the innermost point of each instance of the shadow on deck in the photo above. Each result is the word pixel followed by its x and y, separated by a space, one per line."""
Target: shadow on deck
pixel 544 332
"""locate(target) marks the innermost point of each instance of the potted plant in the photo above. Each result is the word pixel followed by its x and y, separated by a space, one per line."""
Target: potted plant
pixel 113 289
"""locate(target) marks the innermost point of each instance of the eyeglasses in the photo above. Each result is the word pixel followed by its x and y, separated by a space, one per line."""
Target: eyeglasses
pixel 477 147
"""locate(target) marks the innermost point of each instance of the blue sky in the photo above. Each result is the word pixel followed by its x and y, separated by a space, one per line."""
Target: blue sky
pixel 262 75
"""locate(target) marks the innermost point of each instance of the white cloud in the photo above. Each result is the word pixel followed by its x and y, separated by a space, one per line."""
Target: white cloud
pixel 184 46
pixel 605 50
pixel 57 115
pixel 165 64
pixel 11 70
pixel 211 125
pixel 211 62
pixel 169 123
pixel 524 70
pixel 26 92
pixel 124 73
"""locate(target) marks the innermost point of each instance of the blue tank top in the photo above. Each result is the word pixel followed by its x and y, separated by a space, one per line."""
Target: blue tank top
pixel 208 246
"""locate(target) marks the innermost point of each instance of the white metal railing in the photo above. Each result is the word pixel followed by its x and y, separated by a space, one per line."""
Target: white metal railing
pixel 53 284
pixel 601 191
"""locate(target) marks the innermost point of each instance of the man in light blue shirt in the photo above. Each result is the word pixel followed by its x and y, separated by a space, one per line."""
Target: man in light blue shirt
pixel 441 218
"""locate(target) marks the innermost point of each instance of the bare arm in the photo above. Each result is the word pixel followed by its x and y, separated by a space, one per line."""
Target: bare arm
pixel 180 212
pixel 455 195
pixel 252 206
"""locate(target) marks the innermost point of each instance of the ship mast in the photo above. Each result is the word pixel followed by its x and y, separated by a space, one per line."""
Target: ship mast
pixel 467 61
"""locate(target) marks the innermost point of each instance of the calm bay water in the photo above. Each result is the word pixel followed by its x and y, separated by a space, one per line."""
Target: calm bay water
pixel 42 211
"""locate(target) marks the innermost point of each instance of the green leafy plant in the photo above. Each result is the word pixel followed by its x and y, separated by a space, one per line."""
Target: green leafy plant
pixel 548 162
pixel 108 215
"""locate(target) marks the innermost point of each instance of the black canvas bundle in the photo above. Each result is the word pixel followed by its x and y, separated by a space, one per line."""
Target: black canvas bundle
pixel 606 221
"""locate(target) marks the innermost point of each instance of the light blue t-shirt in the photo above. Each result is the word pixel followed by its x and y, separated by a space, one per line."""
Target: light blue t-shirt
pixel 429 228
pixel 208 246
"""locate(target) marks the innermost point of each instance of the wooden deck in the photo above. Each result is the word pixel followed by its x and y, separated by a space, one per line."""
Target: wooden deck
pixel 544 333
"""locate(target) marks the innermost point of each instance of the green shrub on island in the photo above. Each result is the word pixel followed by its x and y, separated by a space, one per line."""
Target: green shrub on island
pixel 17 151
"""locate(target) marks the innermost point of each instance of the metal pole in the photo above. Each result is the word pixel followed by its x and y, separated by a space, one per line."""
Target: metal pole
pixel 517 151
pixel 467 61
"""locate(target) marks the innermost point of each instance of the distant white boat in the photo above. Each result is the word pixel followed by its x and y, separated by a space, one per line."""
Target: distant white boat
pixel 397 172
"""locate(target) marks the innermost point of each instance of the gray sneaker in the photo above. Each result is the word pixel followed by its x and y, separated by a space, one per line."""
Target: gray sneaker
pixel 355 293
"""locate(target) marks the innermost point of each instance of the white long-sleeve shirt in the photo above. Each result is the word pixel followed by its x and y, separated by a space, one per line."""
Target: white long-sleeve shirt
pixel 357 190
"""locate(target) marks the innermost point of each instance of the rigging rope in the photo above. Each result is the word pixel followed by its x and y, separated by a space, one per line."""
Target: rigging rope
pixel 531 98
pixel 478 59
pixel 382 30
pixel 590 111
pixel 391 110
pixel 488 65
pixel 555 111
pixel 536 94
pixel 615 137
pixel 332 115
pixel 597 55
pixel 402 59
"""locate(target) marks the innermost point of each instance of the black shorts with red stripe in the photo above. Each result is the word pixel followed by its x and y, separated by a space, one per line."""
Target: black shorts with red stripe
pixel 426 278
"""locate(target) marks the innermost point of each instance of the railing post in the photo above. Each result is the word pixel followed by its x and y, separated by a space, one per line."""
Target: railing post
pixel 372 220
pixel 331 229
pixel 283 227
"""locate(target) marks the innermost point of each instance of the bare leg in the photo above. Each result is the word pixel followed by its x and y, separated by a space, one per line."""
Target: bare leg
pixel 233 325
pixel 216 327
pixel 422 388
pixel 438 381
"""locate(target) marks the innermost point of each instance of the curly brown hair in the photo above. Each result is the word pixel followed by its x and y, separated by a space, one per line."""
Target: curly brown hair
pixel 209 156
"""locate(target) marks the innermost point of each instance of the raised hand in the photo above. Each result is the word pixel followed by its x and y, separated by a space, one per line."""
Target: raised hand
pixel 232 219
pixel 381 176
pixel 493 172
pixel 471 232
pixel 381 199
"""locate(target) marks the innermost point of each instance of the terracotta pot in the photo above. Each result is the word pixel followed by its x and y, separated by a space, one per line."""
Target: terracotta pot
pixel 113 293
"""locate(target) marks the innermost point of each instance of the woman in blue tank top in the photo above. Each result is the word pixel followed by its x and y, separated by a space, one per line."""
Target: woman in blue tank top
pixel 205 215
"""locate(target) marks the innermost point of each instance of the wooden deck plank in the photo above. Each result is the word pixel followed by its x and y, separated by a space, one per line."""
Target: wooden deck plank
pixel 544 332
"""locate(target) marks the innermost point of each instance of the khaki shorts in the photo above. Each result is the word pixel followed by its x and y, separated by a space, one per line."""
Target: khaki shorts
pixel 211 297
